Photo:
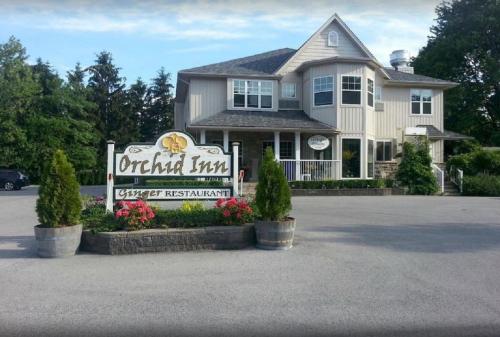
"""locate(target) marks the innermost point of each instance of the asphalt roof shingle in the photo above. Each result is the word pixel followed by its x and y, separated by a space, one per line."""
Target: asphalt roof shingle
pixel 260 64
pixel 282 119
pixel 435 133
pixel 407 77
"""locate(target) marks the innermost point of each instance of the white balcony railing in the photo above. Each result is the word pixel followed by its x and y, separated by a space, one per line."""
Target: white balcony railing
pixel 457 177
pixel 305 169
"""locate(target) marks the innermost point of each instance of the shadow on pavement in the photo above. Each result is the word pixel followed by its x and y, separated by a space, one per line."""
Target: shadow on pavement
pixel 26 245
pixel 419 238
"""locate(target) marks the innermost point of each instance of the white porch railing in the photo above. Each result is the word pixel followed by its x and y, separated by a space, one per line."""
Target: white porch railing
pixel 457 177
pixel 439 174
pixel 305 169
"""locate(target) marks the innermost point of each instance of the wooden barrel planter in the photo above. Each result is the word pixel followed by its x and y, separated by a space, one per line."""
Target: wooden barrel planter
pixel 59 241
pixel 275 235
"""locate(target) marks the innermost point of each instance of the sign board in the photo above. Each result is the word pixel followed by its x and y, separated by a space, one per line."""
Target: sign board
pixel 174 154
pixel 318 142
pixel 158 194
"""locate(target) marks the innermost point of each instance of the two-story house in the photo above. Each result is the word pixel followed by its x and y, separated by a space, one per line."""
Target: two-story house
pixel 329 109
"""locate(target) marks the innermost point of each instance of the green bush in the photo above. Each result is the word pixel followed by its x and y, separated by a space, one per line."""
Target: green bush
pixel 477 162
pixel 415 170
pixel 183 183
pixel 59 202
pixel 341 184
pixel 178 218
pixel 273 197
pixel 481 185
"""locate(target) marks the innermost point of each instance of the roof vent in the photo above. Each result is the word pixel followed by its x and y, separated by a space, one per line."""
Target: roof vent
pixel 400 59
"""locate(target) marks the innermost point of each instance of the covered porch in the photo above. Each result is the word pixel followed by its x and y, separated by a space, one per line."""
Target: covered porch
pixel 290 144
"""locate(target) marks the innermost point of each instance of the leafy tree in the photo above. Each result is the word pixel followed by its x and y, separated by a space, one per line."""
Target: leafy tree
pixel 465 47
pixel 415 170
pixel 159 113
pixel 273 197
pixel 59 202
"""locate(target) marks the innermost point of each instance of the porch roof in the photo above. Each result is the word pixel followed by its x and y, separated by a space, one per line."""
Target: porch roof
pixel 435 133
pixel 296 120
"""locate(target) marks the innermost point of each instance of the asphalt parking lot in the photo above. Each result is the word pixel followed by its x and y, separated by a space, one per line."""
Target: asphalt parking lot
pixel 361 266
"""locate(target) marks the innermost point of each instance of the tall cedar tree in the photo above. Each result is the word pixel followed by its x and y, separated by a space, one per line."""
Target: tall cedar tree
pixel 465 47
pixel 59 202
pixel 159 113
pixel 273 196
pixel 415 170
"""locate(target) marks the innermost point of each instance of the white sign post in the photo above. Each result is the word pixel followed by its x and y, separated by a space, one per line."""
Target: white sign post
pixel 175 154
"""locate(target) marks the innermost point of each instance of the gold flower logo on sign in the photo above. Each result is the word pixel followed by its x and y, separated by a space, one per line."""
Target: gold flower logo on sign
pixel 174 143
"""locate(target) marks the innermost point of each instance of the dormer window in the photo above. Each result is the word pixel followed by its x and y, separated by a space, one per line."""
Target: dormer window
pixel 333 39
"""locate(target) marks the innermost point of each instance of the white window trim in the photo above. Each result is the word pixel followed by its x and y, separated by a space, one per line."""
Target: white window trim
pixel 368 92
pixel 333 92
pixel 362 159
pixel 246 94
pixel 421 114
pixel 385 140
pixel 294 90
pixel 360 91
pixel 335 42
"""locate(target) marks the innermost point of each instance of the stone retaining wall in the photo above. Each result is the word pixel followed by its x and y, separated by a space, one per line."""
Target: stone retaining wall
pixel 169 240
pixel 348 192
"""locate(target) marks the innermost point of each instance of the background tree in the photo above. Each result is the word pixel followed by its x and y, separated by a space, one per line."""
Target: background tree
pixel 465 47
pixel 159 113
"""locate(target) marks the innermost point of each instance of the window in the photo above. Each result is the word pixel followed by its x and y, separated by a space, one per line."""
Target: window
pixel 371 166
pixel 378 94
pixel 384 150
pixel 288 90
pixel 323 91
pixel 333 39
pixel 369 90
pixel 421 102
pixel 239 93
pixel 252 94
pixel 286 149
pixel 351 89
pixel 351 158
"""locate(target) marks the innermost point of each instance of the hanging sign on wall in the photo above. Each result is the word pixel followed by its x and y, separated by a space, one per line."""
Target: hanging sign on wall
pixel 318 142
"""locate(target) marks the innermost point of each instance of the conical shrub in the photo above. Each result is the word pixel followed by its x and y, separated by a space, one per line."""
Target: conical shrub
pixel 273 197
pixel 59 202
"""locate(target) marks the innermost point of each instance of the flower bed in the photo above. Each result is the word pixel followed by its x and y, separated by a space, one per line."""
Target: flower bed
pixel 137 227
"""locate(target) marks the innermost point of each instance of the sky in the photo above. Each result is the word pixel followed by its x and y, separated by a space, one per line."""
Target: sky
pixel 144 36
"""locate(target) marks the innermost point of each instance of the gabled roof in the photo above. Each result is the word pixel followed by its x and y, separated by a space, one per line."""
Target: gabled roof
pixel 334 18
pixel 402 77
pixel 264 65
pixel 263 120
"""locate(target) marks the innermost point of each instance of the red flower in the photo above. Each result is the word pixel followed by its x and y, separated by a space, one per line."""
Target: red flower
pixel 226 213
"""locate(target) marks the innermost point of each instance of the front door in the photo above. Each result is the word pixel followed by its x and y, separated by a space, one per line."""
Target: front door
pixel 351 158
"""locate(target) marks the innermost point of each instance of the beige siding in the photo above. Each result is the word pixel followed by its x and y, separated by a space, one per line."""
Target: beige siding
pixel 325 114
pixel 371 127
pixel 207 97
pixel 179 116
pixel 317 48
pixel 437 151
pixel 351 117
pixel 396 115
pixel 297 80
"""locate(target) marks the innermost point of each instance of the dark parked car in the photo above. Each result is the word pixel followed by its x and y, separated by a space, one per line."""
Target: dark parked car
pixel 13 179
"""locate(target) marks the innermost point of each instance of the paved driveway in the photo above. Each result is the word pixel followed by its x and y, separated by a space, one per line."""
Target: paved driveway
pixel 362 266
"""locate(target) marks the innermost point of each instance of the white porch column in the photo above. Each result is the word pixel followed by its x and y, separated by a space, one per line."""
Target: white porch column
pixel 235 168
pixel 109 176
pixel 277 145
pixel 202 136
pixel 226 140
pixel 297 155
pixel 339 156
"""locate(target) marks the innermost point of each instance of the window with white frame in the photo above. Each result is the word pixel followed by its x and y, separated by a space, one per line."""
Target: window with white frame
pixel 384 150
pixel 369 90
pixel 252 94
pixel 421 102
pixel 378 94
pixel 288 90
pixel 333 39
pixel 323 90
pixel 351 90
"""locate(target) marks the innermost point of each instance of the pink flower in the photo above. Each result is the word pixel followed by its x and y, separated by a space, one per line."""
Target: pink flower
pixel 226 213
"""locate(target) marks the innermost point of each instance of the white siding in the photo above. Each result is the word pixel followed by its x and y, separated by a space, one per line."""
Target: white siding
pixel 207 97
pixel 325 114
pixel 317 48
pixel 229 94
pixel 351 117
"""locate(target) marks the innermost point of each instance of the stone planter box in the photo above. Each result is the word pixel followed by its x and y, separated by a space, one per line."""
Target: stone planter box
pixel 169 240
pixel 348 192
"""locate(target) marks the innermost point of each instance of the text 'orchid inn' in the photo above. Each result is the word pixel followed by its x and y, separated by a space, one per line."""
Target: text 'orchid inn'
pixel 329 109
